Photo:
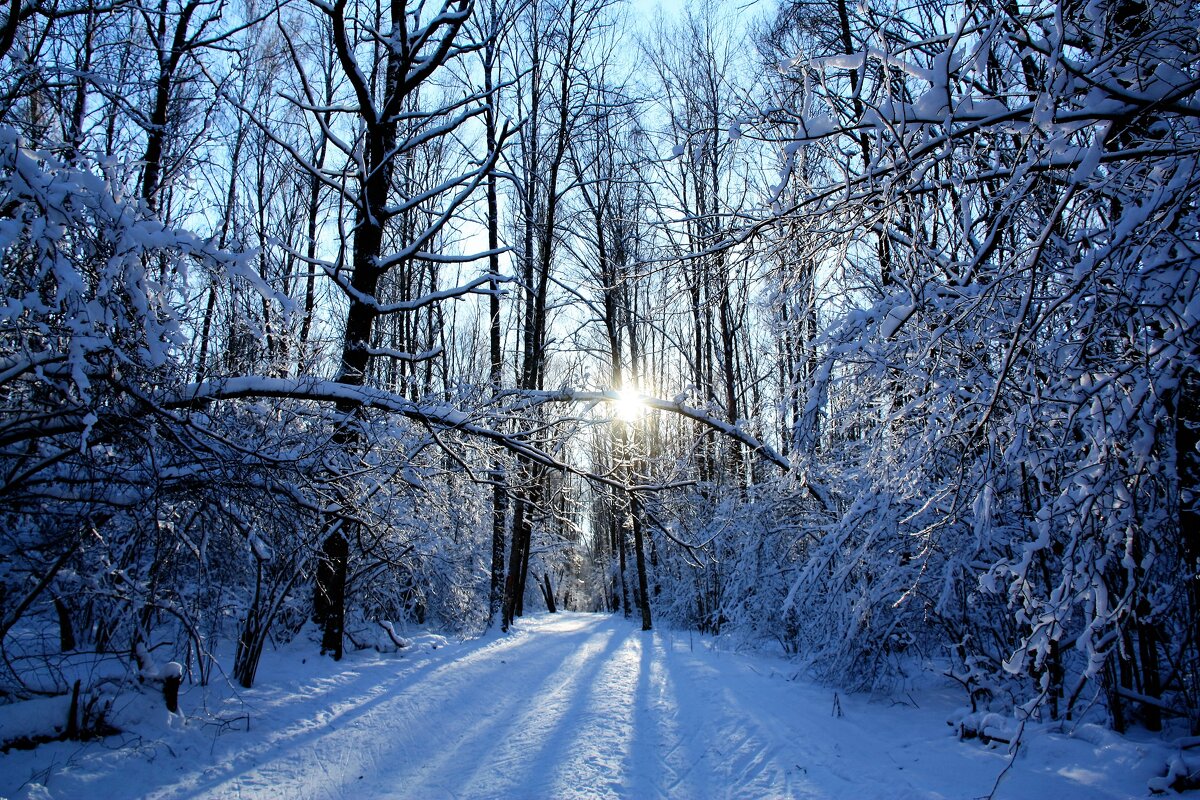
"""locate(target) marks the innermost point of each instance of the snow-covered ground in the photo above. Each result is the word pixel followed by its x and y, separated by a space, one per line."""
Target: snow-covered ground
pixel 567 706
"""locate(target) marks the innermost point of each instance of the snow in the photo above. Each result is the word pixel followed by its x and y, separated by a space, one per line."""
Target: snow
pixel 42 716
pixel 896 317
pixel 566 706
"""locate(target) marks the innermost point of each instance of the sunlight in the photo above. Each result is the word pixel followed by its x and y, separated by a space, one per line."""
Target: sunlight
pixel 628 405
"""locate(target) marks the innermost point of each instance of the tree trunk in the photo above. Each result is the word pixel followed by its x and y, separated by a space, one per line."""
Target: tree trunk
pixel 330 600
pixel 66 632
pixel 511 584
pixel 635 511
pixel 548 593
pixel 496 370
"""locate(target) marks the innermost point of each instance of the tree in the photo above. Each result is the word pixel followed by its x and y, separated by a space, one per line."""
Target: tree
pixel 1015 337
pixel 389 124
pixel 90 335
pixel 605 156
pixel 701 188
pixel 554 88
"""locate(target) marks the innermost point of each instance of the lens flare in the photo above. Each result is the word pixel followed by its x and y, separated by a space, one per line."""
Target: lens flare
pixel 628 405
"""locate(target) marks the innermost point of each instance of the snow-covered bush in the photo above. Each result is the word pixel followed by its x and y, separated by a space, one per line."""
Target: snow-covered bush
pixel 131 522
pixel 1006 393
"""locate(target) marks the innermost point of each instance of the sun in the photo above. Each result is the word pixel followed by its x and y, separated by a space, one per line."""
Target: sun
pixel 629 406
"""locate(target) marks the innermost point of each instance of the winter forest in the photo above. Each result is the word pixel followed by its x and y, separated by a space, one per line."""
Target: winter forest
pixel 867 332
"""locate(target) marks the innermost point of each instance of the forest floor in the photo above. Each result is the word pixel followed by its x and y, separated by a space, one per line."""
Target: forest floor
pixel 565 706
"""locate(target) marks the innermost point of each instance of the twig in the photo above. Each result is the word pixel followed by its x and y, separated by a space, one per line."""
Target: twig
pixel 1013 749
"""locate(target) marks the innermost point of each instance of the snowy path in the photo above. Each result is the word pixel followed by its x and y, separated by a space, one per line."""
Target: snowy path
pixel 573 706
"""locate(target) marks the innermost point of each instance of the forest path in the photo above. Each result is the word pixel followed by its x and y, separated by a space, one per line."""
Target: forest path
pixel 571 706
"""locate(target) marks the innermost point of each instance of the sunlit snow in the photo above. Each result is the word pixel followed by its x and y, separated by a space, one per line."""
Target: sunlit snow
pixel 566 706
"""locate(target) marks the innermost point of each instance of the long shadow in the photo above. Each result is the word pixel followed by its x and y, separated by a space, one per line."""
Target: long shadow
pixel 342 683
pixel 524 704
pixel 730 742
pixel 413 685
pixel 686 750
pixel 557 744
pixel 514 734
pixel 645 760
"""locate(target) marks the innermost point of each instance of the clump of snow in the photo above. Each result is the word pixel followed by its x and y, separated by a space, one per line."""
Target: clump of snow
pixel 986 726
pixel 394 640
pixel 29 719
pixel 1183 772
pixel 895 317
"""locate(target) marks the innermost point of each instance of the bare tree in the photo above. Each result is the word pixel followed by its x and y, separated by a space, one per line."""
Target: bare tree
pixel 386 55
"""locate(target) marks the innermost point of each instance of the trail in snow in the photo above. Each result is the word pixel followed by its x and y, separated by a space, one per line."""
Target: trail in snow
pixel 567 706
